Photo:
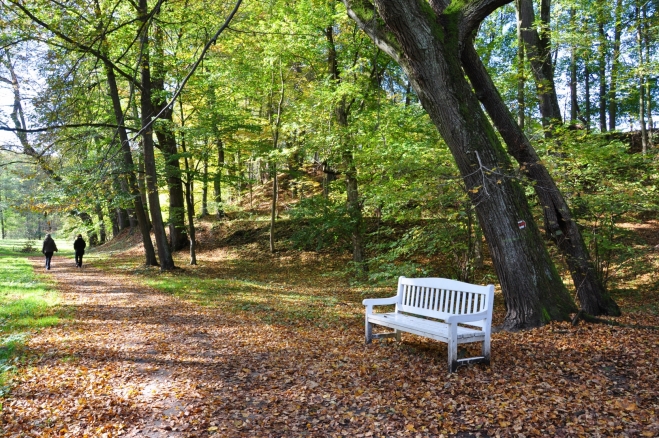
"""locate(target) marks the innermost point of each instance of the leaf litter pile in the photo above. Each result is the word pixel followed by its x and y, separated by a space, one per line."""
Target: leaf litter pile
pixel 270 347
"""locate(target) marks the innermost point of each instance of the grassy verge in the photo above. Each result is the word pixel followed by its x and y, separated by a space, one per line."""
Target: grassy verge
pixel 25 305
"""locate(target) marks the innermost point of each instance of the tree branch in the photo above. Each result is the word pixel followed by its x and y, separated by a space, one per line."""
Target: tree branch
pixel 73 125
pixel 82 47
pixel 364 14
pixel 475 12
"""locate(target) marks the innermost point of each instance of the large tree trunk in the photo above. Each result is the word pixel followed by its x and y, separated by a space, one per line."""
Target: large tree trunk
pixel 538 52
pixel 560 226
pixel 164 253
pixel 127 155
pixel 427 48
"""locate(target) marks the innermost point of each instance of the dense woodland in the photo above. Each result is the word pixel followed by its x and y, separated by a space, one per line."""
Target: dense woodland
pixel 424 139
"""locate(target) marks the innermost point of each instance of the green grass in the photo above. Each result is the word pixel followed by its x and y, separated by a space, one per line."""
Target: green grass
pixel 25 305
pixel 271 303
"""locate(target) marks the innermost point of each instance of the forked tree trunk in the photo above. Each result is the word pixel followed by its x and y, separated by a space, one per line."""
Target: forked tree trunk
pixel 127 155
pixel 164 253
pixel 426 45
pixel 560 226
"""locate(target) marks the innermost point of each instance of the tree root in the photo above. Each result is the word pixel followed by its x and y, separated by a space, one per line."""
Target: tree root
pixel 595 320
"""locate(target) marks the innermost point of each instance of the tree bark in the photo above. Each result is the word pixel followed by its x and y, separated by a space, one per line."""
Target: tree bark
pixel 164 253
pixel 425 43
pixel 133 186
pixel 538 52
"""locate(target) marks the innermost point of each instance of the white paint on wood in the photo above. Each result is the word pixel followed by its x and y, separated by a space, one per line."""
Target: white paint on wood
pixel 446 310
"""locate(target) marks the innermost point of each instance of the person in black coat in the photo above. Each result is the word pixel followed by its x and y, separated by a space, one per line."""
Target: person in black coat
pixel 79 247
pixel 48 249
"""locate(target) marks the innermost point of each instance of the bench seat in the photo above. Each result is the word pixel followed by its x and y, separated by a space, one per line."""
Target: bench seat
pixel 436 330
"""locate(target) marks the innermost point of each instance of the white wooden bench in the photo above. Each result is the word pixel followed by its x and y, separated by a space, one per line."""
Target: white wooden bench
pixel 445 310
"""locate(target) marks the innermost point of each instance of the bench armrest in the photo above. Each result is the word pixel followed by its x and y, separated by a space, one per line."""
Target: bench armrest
pixel 470 317
pixel 370 302
pixel 380 301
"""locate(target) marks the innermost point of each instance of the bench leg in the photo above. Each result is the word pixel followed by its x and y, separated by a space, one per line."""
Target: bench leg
pixel 369 332
pixel 397 335
pixel 486 350
pixel 452 348
pixel 452 358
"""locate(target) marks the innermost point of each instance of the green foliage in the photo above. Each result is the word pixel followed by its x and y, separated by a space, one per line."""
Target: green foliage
pixel 326 224
pixel 605 185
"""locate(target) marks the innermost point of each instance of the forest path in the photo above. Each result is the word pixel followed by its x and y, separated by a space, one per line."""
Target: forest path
pixel 129 362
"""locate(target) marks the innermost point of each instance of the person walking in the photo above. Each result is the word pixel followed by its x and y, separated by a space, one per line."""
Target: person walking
pixel 48 249
pixel 79 246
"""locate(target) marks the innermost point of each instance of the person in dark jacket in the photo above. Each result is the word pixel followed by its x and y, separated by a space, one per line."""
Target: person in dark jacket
pixel 48 249
pixel 79 247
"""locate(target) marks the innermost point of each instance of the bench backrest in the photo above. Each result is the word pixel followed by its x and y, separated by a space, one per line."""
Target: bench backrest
pixel 441 297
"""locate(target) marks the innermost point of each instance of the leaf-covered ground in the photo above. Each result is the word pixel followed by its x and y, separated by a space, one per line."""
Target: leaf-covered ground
pixel 269 346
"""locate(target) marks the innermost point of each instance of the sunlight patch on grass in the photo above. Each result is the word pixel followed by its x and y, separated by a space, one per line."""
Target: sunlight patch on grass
pixel 25 304
pixel 271 303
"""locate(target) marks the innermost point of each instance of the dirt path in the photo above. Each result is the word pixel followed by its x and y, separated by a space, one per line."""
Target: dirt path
pixel 129 362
